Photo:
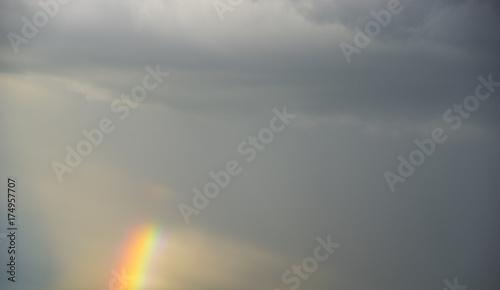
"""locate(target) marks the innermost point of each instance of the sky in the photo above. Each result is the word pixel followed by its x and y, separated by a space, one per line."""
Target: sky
pixel 317 132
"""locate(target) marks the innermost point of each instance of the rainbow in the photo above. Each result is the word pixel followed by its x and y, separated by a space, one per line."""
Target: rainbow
pixel 142 246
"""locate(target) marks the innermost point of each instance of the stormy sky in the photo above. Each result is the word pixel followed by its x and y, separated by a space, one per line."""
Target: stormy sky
pixel 231 66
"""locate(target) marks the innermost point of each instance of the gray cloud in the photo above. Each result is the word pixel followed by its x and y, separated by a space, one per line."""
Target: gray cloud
pixel 323 175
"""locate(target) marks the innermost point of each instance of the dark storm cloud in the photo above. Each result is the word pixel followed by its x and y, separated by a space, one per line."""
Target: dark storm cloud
pixel 428 56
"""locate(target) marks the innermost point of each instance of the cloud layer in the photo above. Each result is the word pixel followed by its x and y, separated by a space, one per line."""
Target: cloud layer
pixel 322 176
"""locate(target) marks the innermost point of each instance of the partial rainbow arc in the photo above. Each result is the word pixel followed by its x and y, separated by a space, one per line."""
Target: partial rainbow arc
pixel 140 249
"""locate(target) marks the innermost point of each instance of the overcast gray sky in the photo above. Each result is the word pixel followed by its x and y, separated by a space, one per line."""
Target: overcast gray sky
pixel 324 174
